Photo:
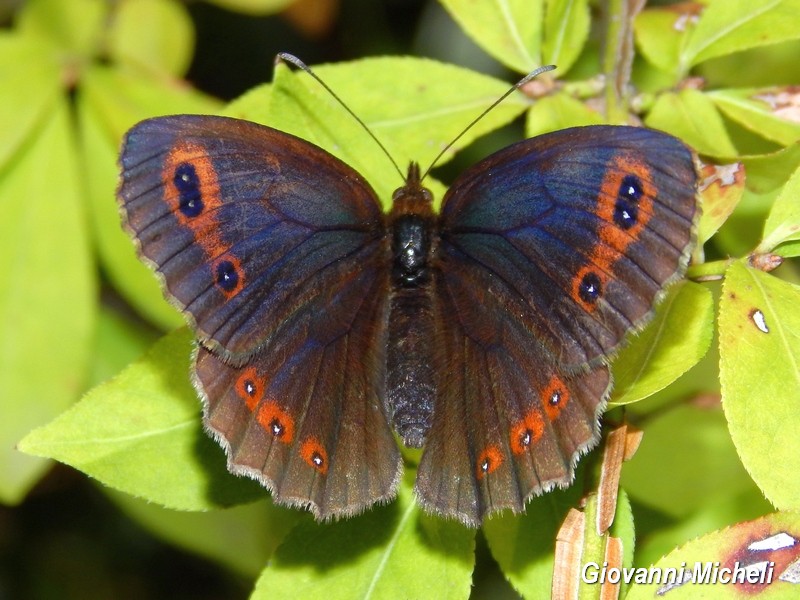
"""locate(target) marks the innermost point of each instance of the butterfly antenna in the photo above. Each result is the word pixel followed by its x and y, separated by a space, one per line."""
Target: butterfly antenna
pixel 516 86
pixel 290 58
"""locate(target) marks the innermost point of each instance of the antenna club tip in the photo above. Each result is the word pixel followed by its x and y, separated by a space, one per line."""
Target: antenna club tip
pixel 291 59
pixel 533 74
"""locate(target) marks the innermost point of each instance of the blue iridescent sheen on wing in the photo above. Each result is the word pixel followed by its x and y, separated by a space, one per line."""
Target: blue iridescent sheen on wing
pixel 549 252
pixel 531 216
pixel 276 251
pixel 245 223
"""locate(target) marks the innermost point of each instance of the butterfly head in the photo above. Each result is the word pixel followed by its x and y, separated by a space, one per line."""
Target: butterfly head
pixel 412 198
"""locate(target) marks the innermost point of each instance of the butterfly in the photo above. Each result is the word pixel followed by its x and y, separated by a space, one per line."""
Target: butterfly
pixel 481 334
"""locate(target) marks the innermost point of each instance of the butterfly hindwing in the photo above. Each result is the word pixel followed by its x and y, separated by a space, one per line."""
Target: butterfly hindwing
pixel 276 251
pixel 316 430
pixel 549 252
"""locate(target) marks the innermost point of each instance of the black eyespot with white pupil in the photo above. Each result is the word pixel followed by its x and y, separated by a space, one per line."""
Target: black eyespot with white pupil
pixel 590 288
pixel 227 276
pixel 626 208
pixel 526 437
pixel 276 427
pixel 317 459
pixel 250 388
pixel 187 183
pixel 555 398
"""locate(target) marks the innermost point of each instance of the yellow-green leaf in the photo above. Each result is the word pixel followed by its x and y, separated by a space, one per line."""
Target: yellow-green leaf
pixel 759 345
pixel 392 551
pixel 509 30
pixel 157 35
pixel 676 340
pixel 47 304
pixel 141 433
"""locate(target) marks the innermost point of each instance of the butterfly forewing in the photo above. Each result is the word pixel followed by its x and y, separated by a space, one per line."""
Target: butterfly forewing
pixel 246 224
pixel 577 231
pixel 277 252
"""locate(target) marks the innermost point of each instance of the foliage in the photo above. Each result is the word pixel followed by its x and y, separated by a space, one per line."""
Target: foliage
pixel 75 74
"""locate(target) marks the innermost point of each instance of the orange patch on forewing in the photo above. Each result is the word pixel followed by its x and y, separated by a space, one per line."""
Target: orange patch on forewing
pixel 612 239
pixel 526 432
pixel 250 387
pixel 488 461
pixel 555 397
pixel 204 225
pixel 610 233
pixel 277 422
pixel 314 454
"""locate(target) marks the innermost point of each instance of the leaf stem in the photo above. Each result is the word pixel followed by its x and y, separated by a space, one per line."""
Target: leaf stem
pixel 709 271
pixel 618 53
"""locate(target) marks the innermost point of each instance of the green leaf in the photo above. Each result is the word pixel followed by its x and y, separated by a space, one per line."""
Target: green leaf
pixel 691 116
pixel 566 28
pixel 661 31
pixel 524 545
pixel 413 117
pixel 783 222
pixel 721 188
pixel 29 87
pixel 140 433
pixel 559 111
pixel 388 552
pixel 242 537
pixel 155 34
pixel 509 30
pixel 771 113
pixel 253 7
pixel 108 104
pixel 744 506
pixel 686 448
pixel 75 26
pixel 47 305
pixel 730 26
pixel 676 340
pixel 772 538
pixel 768 172
pixel 759 341
pixel 118 341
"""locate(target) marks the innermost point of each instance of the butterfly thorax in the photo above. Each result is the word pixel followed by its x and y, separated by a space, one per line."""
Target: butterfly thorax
pixel 410 384
pixel 411 222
